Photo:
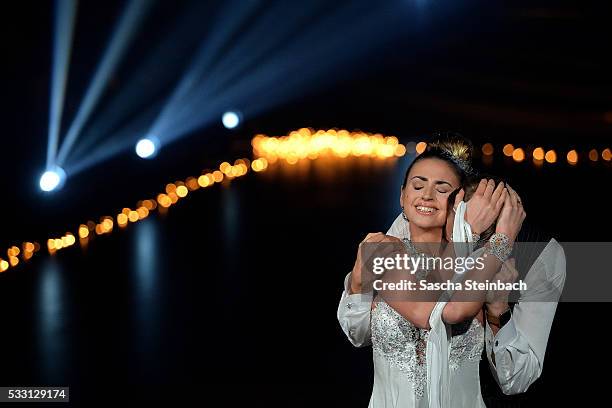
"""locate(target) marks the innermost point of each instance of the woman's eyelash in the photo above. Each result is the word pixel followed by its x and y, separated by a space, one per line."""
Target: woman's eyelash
pixel 439 191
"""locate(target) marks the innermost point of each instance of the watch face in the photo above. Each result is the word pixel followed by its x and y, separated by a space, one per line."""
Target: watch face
pixel 505 317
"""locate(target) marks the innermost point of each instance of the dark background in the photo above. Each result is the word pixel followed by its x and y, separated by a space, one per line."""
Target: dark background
pixel 232 295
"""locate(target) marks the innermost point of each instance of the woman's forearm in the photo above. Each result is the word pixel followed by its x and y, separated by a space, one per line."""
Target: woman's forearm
pixel 465 304
pixel 414 305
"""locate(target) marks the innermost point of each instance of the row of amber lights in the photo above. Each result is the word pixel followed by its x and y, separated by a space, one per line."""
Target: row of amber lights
pixel 539 155
pixel 299 144
pixel 172 194
pixel 308 143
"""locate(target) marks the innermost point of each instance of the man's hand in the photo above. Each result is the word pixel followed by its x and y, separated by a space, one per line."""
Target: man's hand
pixel 485 205
pixel 512 216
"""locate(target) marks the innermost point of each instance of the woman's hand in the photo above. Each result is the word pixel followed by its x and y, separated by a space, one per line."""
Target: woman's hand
pixel 512 215
pixel 356 277
pixel 485 205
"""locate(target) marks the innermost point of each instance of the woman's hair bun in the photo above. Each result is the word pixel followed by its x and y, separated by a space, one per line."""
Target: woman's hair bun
pixel 454 143
pixel 456 147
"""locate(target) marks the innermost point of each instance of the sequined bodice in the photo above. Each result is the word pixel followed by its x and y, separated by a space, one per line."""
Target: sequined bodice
pixel 467 343
pixel 404 345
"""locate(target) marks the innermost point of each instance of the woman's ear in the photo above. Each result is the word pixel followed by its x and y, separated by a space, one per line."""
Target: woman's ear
pixel 402 197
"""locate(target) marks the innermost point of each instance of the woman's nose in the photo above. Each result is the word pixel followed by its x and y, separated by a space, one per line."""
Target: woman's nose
pixel 427 194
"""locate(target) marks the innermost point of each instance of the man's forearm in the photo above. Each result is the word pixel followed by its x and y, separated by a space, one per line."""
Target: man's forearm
pixel 496 309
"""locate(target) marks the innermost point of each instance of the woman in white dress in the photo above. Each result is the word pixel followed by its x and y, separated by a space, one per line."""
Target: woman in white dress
pixel 417 360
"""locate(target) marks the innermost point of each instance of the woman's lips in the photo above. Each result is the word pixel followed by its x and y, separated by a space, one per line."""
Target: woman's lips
pixel 424 210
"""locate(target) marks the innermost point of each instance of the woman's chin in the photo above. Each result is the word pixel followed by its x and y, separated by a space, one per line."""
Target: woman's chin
pixel 427 223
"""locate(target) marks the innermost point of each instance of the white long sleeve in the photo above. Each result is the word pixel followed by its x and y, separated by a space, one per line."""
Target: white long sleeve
pixel 354 310
pixel 520 345
pixel 354 315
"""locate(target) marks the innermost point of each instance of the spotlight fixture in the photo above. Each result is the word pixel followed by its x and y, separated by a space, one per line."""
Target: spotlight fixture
pixel 231 119
pixel 52 179
pixel 147 147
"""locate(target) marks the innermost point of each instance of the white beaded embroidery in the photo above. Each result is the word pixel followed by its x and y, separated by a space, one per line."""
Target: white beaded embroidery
pixel 466 346
pixel 403 345
pixel 400 343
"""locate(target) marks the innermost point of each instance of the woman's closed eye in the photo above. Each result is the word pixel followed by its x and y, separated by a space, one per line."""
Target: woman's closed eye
pixel 439 190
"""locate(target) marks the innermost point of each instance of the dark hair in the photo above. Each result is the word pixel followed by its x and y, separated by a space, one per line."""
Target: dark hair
pixel 452 148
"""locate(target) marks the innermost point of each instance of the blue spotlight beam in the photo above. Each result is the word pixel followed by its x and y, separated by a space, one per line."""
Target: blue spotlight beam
pixel 309 51
pixel 63 29
pixel 124 32
pixel 147 82
pixel 120 141
pixel 234 14
pixel 310 55
pixel 317 54
pixel 262 38
pixel 301 76
pixel 263 41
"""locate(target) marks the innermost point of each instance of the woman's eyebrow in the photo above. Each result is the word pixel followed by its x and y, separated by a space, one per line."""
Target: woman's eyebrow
pixel 443 182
